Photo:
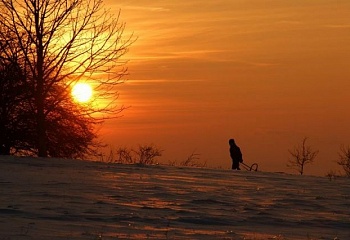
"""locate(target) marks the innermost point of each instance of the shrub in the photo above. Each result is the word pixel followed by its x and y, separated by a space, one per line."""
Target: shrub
pixel 344 159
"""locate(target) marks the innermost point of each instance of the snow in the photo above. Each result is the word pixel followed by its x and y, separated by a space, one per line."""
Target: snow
pixel 71 199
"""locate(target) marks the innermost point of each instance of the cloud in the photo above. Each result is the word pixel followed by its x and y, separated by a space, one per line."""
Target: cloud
pixel 143 8
pixel 148 81
pixel 337 26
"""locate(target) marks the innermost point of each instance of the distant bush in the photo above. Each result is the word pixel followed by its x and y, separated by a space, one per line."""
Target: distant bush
pixel 344 159
pixel 190 161
pixel 124 155
pixel 144 154
pixel 332 175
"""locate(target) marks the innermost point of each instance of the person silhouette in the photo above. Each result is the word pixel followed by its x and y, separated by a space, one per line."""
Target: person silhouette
pixel 236 154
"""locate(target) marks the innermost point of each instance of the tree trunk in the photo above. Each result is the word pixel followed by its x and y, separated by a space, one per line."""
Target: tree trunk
pixel 40 93
pixel 302 169
pixel 41 131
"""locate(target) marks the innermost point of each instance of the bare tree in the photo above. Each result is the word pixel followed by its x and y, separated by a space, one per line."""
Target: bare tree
pixel 301 155
pixel 61 42
pixel 70 133
pixel 344 159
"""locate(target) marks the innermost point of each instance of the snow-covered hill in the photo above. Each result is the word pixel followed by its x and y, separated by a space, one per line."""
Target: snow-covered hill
pixel 70 199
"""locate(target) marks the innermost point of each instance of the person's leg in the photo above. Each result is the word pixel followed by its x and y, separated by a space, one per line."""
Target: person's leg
pixel 235 166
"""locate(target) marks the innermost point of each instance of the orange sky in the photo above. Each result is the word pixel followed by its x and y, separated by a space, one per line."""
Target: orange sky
pixel 265 72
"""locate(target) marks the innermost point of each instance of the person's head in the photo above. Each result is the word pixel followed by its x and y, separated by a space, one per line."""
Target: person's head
pixel 231 142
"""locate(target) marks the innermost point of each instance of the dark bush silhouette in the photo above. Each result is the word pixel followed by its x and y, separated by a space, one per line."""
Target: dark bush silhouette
pixel 144 154
pixel 344 159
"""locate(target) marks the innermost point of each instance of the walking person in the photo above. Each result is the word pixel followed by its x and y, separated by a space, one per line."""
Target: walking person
pixel 236 154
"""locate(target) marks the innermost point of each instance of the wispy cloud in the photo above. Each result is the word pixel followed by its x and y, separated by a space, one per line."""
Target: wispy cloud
pixel 143 8
pixel 337 26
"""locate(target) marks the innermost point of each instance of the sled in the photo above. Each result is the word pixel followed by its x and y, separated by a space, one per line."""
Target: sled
pixel 253 167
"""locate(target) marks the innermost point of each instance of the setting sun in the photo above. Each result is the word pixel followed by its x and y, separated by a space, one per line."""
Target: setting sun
pixel 82 92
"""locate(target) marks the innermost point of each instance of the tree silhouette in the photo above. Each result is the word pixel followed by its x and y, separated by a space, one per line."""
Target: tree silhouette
pixel 301 155
pixel 70 133
pixel 58 43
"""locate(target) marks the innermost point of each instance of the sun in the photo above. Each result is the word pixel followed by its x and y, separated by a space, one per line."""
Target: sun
pixel 82 92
